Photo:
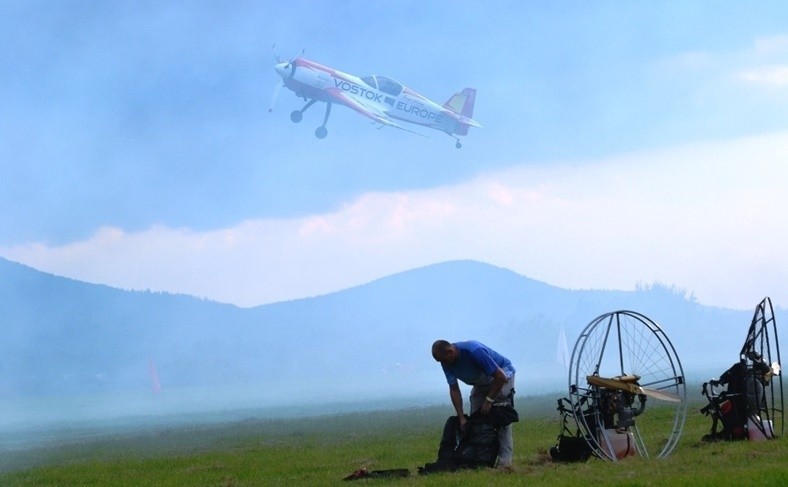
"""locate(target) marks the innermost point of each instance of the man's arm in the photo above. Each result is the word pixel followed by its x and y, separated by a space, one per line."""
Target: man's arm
pixel 499 379
pixel 456 401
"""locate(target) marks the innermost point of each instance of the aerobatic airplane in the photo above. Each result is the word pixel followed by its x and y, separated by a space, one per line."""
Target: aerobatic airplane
pixel 382 99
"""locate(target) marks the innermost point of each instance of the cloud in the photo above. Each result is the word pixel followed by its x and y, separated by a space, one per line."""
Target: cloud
pixel 770 46
pixel 707 217
pixel 765 63
pixel 776 76
pixel 762 63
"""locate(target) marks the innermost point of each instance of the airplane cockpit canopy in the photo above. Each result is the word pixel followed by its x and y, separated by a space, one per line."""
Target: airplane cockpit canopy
pixel 386 85
pixel 370 80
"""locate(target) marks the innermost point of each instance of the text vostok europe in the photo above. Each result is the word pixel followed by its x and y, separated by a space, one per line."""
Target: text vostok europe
pixel 355 89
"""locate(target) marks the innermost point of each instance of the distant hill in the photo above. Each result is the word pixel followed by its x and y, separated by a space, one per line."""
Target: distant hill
pixel 62 337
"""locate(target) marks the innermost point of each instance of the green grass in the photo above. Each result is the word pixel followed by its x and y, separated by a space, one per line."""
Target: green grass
pixel 322 450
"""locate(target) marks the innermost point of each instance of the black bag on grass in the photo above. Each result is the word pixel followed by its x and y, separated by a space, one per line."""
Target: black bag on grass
pixel 570 449
pixel 477 446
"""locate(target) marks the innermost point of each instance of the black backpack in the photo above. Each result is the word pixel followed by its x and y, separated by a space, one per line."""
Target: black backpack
pixel 477 446
pixel 571 447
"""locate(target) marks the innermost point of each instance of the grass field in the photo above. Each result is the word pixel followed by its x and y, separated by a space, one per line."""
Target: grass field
pixel 322 450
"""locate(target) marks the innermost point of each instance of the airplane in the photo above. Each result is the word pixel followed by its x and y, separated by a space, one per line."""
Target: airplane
pixel 382 99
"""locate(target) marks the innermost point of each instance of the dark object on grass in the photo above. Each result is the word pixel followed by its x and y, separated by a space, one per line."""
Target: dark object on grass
pixel 363 473
pixel 477 446
pixel 571 447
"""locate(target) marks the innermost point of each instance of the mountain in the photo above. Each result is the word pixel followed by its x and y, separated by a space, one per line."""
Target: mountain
pixel 64 337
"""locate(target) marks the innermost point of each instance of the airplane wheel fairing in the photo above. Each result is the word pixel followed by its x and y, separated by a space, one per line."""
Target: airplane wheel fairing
pixel 618 344
pixel 321 132
pixel 296 116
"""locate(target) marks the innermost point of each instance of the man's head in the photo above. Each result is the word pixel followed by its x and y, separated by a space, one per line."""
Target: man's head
pixel 444 352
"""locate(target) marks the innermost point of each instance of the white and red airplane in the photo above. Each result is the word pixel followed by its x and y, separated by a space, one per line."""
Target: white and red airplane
pixel 382 99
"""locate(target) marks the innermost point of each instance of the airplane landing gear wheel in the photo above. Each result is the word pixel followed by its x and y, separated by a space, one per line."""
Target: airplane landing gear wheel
pixel 458 145
pixel 321 132
pixel 618 424
pixel 296 116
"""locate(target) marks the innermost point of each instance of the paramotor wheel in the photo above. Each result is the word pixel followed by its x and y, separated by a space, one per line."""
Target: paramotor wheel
pixel 637 403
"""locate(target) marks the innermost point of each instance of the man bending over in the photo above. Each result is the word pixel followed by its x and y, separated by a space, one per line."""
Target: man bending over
pixel 492 377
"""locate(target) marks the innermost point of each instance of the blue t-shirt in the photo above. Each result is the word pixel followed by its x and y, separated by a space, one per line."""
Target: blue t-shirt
pixel 476 364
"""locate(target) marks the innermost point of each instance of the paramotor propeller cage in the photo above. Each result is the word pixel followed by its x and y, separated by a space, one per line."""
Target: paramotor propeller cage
pixel 618 418
pixel 761 356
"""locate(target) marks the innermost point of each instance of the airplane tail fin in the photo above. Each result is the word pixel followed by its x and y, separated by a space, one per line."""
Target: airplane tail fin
pixel 461 103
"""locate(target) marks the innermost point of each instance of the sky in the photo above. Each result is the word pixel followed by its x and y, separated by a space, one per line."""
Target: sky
pixel 623 143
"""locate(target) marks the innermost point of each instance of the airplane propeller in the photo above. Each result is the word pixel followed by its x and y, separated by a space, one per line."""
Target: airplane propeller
pixel 275 95
pixel 279 60
pixel 280 83
pixel 628 383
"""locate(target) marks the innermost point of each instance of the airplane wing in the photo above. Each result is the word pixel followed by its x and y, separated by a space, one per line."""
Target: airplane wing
pixel 369 111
